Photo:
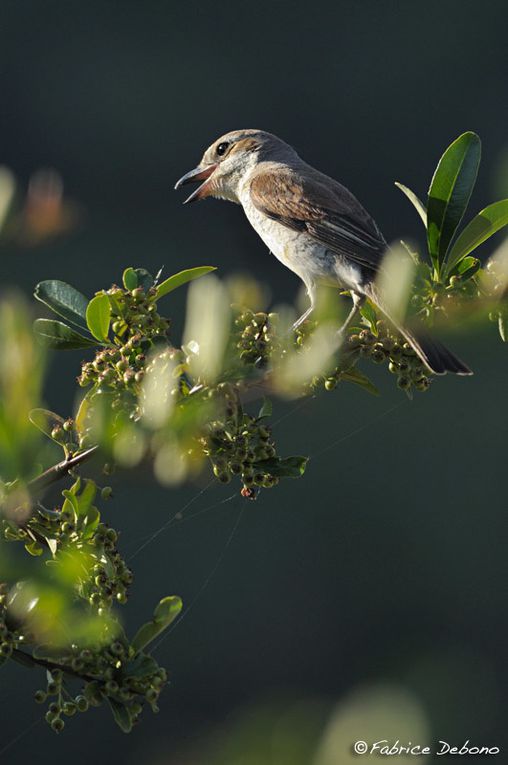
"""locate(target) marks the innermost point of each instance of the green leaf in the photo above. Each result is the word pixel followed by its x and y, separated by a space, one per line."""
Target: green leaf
pixel 70 504
pixel 98 316
pixel 45 420
pixel 34 548
pixel 84 410
pixel 449 193
pixel 412 253
pixel 172 282
pixel 165 613
pixel 144 277
pixel 358 378
pixel 369 314
pixel 290 467
pixel 130 279
pixel 466 268
pixel 90 522
pixel 266 408
pixel 56 334
pixel 52 545
pixel 63 300
pixel 484 225
pixel 121 714
pixel 86 498
pixel 503 326
pixel 141 665
pixel 418 204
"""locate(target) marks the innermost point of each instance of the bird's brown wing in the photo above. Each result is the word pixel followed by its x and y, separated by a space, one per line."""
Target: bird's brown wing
pixel 306 200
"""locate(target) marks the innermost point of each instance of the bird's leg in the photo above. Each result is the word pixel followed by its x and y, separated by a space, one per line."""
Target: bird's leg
pixel 302 318
pixel 358 301
pixel 311 292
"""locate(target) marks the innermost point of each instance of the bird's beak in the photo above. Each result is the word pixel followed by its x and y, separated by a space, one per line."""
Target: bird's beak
pixel 195 176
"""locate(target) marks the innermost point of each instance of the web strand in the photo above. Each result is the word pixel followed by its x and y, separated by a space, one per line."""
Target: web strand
pixel 207 581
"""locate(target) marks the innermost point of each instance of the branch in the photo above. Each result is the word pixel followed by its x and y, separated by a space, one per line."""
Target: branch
pixel 55 473
pixel 29 661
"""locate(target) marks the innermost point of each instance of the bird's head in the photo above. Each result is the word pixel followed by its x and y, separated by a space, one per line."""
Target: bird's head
pixel 226 163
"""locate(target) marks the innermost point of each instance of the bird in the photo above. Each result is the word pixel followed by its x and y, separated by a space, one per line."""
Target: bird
pixel 310 222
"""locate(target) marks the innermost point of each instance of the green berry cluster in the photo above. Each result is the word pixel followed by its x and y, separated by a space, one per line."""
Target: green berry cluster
pixel 110 577
pixel 116 673
pixel 63 704
pixel 10 636
pixel 134 312
pixel 239 445
pixel 303 333
pixel 402 360
pixel 119 369
pixel 256 337
pixel 65 434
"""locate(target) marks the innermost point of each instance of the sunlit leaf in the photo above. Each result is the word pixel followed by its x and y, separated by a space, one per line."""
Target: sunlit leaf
pixel 64 300
pixel 449 193
pixel 358 378
pixel 130 279
pixel 490 220
pixel 45 420
pixel 467 267
pixel 90 522
pixel 56 334
pixel 177 280
pixel 84 410
pixel 369 314
pixel 165 613
pixel 503 326
pixel 98 316
pixel 418 204
pixel 34 548
pixel 86 497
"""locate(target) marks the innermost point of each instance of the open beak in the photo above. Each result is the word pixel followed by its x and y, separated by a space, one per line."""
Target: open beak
pixel 195 176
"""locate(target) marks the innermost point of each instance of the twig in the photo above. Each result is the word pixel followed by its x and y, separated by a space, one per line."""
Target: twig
pixel 28 661
pixel 55 473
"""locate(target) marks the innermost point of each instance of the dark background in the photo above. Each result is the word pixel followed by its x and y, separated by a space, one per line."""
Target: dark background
pixel 386 565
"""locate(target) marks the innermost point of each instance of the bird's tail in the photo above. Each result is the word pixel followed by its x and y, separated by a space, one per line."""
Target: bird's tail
pixel 436 356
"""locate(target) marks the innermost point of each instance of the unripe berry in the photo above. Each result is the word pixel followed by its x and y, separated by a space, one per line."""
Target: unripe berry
pixel 58 725
pixel 81 703
pixel 404 382
pixel 57 434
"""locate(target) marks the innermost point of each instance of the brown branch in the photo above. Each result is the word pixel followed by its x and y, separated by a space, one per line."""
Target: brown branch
pixel 55 473
pixel 29 661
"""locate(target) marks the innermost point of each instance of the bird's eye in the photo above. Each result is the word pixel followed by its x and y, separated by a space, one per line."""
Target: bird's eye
pixel 222 148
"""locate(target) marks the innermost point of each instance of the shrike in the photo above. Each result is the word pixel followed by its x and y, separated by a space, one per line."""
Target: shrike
pixel 310 222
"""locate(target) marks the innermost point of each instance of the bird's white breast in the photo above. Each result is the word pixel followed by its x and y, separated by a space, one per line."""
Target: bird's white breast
pixel 298 251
